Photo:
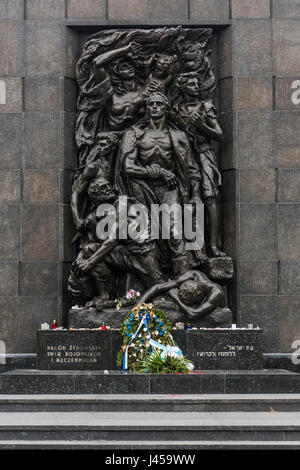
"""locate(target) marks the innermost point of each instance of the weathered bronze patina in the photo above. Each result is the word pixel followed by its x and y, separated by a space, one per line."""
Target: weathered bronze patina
pixel 145 126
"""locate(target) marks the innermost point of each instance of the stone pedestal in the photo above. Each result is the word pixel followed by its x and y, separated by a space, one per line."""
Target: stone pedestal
pixel 82 350
pixel 91 318
pixel 219 349
pixel 222 349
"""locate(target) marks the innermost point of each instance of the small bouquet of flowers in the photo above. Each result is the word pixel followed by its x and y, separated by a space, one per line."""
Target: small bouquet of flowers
pixel 130 298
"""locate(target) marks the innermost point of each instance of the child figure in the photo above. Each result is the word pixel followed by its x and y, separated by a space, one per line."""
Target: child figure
pixel 159 69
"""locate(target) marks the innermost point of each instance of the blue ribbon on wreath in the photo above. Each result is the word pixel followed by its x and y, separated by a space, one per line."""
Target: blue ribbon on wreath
pixel 144 321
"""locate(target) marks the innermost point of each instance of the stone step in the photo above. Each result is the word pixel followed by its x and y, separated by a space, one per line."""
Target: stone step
pixel 116 382
pixel 149 445
pixel 150 426
pixel 154 403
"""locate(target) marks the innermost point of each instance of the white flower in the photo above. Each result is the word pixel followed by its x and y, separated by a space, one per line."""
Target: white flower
pixel 156 333
pixel 137 294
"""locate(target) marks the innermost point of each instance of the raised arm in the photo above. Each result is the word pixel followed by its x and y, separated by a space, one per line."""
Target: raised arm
pixel 102 60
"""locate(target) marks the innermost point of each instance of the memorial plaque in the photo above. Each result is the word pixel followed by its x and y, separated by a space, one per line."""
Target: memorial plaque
pixel 218 349
pixel 222 349
pixel 84 350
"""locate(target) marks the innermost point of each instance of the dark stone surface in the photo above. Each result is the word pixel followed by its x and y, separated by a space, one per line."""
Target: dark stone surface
pixel 289 323
pixel 289 231
pixel 250 8
pixel 255 152
pixel 10 186
pixel 91 382
pixel 69 151
pixel 42 140
pixel 169 9
pixel 258 231
pixel 257 185
pixel 225 349
pixel 11 45
pixel 11 9
pixel 82 350
pixel 212 9
pixel 270 360
pixel 69 95
pixel 71 51
pixel 254 93
pixel 18 361
pixel 39 278
pixel 45 9
pixel 65 185
pixel 230 186
pixel 289 278
pixel 91 318
pixel 135 9
pixel 41 186
pixel 182 383
pixel 226 95
pixel 9 278
pixel 231 213
pixel 280 361
pixel 228 147
pixel 43 49
pixel 264 382
pixel 28 314
pixel 286 9
pixel 287 138
pixel 262 311
pixel 225 46
pixel 259 277
pixel 11 141
pixel 97 350
pixel 91 9
pixel 42 94
pixel 284 93
pixel 14 96
pixel 40 232
pixel 9 232
pixel 253 47
pixel 289 185
pixel 286 38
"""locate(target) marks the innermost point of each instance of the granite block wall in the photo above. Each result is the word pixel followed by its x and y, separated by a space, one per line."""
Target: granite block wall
pixel 258 52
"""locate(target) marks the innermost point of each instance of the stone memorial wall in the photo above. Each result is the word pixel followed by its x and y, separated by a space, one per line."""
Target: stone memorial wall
pixel 255 46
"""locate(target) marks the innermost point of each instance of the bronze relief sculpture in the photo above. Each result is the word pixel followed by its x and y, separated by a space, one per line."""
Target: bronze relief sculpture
pixel 145 126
